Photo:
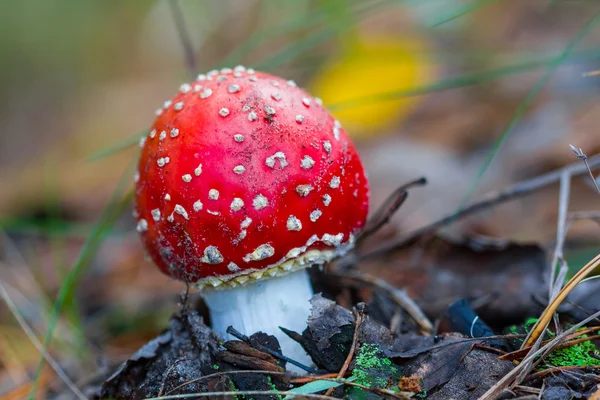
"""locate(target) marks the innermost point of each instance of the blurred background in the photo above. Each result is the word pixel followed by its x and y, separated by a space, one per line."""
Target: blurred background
pixel 472 94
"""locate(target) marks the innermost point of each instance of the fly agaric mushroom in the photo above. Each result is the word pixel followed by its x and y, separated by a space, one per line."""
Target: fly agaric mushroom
pixel 245 181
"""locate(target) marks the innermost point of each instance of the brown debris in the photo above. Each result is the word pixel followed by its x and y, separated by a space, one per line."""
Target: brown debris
pixel 410 384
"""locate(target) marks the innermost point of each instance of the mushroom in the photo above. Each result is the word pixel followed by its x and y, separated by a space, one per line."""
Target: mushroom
pixel 244 181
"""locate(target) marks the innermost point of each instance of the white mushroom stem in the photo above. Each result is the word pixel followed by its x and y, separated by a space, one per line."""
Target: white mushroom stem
pixel 265 306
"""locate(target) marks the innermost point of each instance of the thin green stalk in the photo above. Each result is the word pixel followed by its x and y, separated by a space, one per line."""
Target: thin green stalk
pixel 302 22
pixel 117 147
pixel 112 212
pixel 313 39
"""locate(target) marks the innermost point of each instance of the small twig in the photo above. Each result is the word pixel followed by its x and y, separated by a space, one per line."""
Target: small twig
pixel 527 389
pixel 184 36
pixel 561 233
pixel 358 318
pixel 591 73
pixel 235 333
pixel 31 336
pixel 512 192
pixel 576 215
pixel 399 296
pixel 581 155
pixel 588 312
pixel 551 371
pixel 387 210
pixel 556 283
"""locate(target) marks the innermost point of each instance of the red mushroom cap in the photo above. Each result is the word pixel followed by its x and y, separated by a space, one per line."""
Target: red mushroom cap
pixel 243 175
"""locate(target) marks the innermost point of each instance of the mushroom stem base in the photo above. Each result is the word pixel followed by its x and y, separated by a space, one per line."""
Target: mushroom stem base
pixel 265 306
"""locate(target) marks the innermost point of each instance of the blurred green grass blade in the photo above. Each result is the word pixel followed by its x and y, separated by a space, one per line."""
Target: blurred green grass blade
pixel 524 105
pixel 314 39
pixel 302 22
pixel 242 50
pixel 117 147
pixel 338 14
pixel 301 46
pixel 469 8
pixel 467 79
pixel 53 227
pixel 115 208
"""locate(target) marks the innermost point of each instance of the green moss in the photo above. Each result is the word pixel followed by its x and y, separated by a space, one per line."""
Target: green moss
pixel 530 322
pixel 373 370
pixel 578 354
pixel 215 366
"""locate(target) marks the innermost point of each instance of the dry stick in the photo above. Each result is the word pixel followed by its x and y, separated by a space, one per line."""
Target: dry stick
pixel 387 210
pixel 556 283
pixel 184 36
pixel 527 389
pixel 358 318
pixel 561 233
pixel 512 192
pixel 581 308
pixel 550 371
pixel 593 215
pixel 397 295
pixel 31 336
pixel 581 155
pixel 507 379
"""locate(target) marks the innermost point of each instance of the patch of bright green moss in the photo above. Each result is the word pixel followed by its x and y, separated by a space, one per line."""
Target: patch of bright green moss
pixel 530 322
pixel 576 355
pixel 373 370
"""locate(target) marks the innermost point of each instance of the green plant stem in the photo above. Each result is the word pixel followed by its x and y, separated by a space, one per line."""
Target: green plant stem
pixel 114 209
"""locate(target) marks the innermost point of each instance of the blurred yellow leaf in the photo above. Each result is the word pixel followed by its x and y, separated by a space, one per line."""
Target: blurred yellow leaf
pixel 370 66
